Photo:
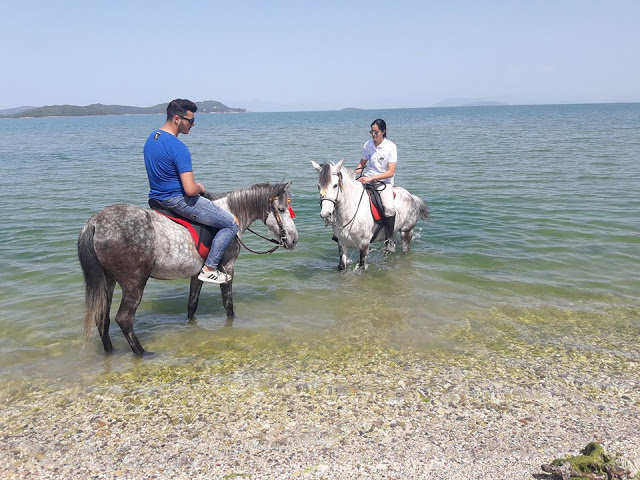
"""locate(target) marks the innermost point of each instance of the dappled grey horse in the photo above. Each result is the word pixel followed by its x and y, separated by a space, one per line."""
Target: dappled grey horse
pixel 345 205
pixel 127 245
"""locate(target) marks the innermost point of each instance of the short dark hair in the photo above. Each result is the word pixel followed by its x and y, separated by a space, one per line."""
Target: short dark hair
pixel 381 125
pixel 180 106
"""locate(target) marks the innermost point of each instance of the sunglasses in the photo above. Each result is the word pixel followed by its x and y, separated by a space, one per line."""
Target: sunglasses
pixel 375 133
pixel 190 120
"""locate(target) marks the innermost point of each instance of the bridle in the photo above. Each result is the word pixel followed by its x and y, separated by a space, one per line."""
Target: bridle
pixel 323 198
pixel 283 234
pixel 276 214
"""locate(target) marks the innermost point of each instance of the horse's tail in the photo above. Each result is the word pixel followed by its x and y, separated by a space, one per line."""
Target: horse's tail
pixel 95 282
pixel 423 209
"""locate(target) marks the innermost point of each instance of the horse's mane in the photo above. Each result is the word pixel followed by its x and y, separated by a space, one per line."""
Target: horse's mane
pixel 249 201
pixel 350 173
pixel 259 188
pixel 325 173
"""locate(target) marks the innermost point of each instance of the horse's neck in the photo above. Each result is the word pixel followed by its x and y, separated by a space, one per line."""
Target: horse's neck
pixel 246 204
pixel 353 196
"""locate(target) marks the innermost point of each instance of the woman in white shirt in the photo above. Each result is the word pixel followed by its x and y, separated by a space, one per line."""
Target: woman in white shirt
pixel 381 156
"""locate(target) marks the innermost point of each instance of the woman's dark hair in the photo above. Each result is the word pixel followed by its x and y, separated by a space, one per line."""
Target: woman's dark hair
pixel 381 125
pixel 180 106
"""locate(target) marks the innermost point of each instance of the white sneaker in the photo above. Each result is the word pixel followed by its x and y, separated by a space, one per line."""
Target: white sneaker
pixel 214 276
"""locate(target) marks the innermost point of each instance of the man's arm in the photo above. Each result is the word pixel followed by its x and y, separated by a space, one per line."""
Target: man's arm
pixel 189 184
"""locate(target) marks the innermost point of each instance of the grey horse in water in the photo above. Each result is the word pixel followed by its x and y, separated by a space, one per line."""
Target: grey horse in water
pixel 126 245
pixel 345 205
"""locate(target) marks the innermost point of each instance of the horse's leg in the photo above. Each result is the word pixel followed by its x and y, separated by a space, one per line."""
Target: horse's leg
pixel 131 297
pixel 406 236
pixel 342 253
pixel 363 257
pixel 104 332
pixel 194 296
pixel 227 298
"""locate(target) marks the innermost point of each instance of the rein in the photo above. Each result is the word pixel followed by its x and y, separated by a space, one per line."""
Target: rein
pixel 335 202
pixel 283 235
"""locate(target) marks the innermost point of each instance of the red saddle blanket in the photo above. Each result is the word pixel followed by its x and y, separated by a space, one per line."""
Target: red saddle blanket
pixel 202 234
pixel 196 234
pixel 376 204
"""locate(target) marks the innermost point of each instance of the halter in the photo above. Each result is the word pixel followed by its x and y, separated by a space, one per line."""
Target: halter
pixel 323 198
pixel 335 202
pixel 283 234
pixel 276 214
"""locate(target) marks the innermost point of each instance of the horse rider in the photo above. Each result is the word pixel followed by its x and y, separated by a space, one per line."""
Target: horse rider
pixel 171 182
pixel 381 156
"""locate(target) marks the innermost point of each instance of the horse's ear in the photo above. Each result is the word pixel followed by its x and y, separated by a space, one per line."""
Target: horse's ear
pixel 316 166
pixel 339 164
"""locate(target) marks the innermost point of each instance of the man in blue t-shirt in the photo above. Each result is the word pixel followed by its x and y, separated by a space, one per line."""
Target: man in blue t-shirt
pixel 171 182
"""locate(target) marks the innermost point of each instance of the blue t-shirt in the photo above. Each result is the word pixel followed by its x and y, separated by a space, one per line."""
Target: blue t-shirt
pixel 165 158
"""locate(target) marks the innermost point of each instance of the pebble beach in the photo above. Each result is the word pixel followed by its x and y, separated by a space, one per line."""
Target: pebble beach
pixel 375 413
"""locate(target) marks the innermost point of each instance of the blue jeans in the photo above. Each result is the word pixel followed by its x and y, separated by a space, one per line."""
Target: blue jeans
pixel 201 210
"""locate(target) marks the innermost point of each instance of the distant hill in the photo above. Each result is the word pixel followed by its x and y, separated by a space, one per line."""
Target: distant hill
pixel 208 106
pixel 13 111
pixel 468 102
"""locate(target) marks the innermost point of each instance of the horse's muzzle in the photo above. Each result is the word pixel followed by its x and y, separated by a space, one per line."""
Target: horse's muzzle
pixel 290 244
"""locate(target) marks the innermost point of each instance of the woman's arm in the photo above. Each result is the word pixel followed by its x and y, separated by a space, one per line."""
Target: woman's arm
pixel 391 171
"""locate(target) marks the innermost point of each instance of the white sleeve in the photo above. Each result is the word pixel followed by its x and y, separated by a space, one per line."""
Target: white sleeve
pixel 393 154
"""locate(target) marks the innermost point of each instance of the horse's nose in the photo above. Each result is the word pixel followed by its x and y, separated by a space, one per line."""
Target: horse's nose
pixel 291 244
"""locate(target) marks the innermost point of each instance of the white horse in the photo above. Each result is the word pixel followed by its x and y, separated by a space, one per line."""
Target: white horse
pixel 345 204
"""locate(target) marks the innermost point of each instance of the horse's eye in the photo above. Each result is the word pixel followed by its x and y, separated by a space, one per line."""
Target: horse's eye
pixel 335 185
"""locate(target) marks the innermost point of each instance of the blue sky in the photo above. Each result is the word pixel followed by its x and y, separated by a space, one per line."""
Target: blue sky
pixel 322 55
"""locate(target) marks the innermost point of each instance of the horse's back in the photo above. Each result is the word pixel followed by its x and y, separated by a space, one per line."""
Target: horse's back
pixel 409 209
pixel 123 238
pixel 129 237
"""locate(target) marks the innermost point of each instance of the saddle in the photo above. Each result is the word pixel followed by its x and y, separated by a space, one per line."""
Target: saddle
pixel 202 234
pixel 375 202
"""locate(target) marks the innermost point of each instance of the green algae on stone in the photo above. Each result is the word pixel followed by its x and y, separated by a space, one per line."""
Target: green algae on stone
pixel 593 464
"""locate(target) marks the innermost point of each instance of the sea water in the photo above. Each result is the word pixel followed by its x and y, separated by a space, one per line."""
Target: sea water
pixel 534 234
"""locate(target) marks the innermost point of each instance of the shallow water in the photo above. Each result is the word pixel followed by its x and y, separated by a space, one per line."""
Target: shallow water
pixel 533 237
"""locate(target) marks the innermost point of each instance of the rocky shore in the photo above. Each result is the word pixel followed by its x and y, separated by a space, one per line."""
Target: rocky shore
pixel 309 413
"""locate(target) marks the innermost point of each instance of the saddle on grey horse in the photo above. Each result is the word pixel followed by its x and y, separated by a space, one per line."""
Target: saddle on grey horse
pixel 202 234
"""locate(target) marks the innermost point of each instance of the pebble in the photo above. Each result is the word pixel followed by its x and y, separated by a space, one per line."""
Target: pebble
pixel 380 416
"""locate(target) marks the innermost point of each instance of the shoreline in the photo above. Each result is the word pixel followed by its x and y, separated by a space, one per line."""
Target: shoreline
pixel 364 413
